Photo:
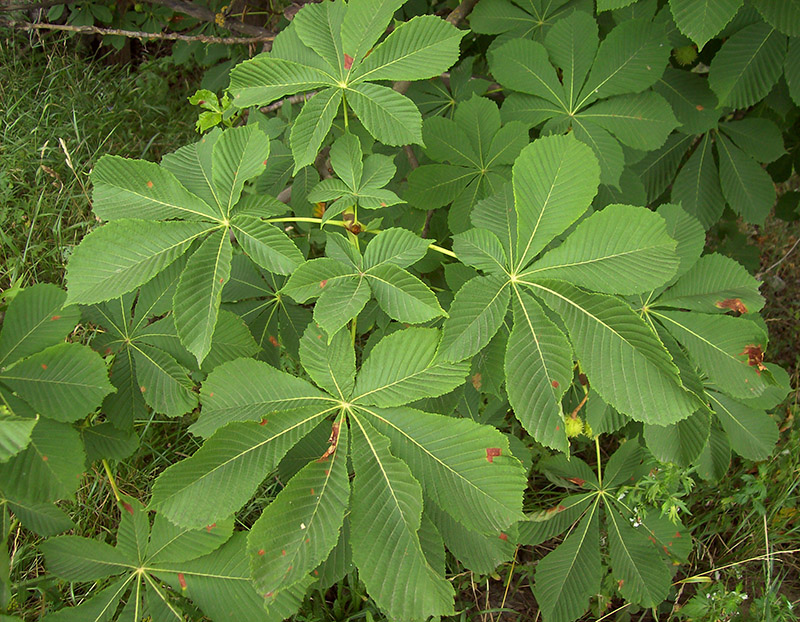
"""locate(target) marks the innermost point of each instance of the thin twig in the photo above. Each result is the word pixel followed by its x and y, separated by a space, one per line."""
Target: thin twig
pixel 780 261
pixel 206 15
pixel 32 5
pixel 133 34
pixel 292 99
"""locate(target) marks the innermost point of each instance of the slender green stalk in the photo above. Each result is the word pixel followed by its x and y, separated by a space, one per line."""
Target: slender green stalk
pixel 112 481
pixel 599 469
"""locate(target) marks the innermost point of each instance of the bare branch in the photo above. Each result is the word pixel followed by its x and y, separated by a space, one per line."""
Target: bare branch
pixel 205 15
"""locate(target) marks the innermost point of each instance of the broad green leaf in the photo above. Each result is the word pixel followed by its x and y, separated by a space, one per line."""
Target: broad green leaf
pixel 624 360
pixel 702 20
pixel 172 544
pixel 15 434
pixel 715 284
pixel 105 440
pixel 785 16
pixel 697 186
pixel 199 293
pixel 479 552
pixel 529 109
pixel 792 69
pixel 220 583
pixel 572 45
pixel 566 578
pixel 747 65
pixel 759 138
pixel 223 474
pixel 311 278
pixel 481 249
pixel 681 442
pixel 693 103
pixel 606 148
pixel 477 479
pixel 522 65
pixel 719 345
pixel 433 185
pixel 384 487
pixel 319 26
pixel 446 141
pixel 331 365
pixel 542 525
pixel 127 404
pixel 673 538
pixel 687 232
pixel 73 558
pixel 239 155
pixel 628 464
pixel 423 47
pixel 138 189
pixel 403 296
pixel 752 433
pixel 403 367
pixel 364 23
pixel 120 256
pixel 601 256
pixel 99 608
pixel 44 519
pixel 35 320
pixel 266 245
pixel 390 117
pixel 192 166
pixel 747 187
pixel 63 382
pixel 263 79
pixel 475 315
pixel 340 303
pixel 497 215
pixel 134 529
pixel 529 20
pixel 602 417
pixel 298 530
pixel 657 169
pixel 164 384
pixel 555 179
pixel 346 160
pixel 714 460
pixel 232 339
pixel 249 390
pixel 630 59
pixel 397 246
pixel 642 576
pixel 312 125
pixel 642 121
pixel 538 368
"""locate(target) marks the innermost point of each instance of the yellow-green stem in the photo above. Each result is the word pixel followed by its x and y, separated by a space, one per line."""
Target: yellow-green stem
pixel 599 465
pixel 344 110
pixel 112 481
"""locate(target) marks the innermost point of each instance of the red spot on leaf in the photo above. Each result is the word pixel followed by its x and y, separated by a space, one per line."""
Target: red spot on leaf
pixel 283 552
pixel 327 471
pixel 677 535
pixel 700 107
pixel 583 379
pixel 558 427
pixel 669 543
pixel 288 570
pixel 107 352
pixel 221 279
pixel 263 421
pixel 734 304
pixel 128 507
pixel 316 573
pixel 210 527
pixel 383 204
pixel 261 551
pixel 264 163
pixel 755 357
pixel 312 491
pixel 348 61
pixel 308 540
pixel 149 184
pixel 323 283
pixel 555 384
pixel 477 380
pixel 652 539
pixel 666 550
pixel 45 458
pixel 492 453
pixel 561 508
pixel 620 583
pixel 55 317
pixel 182 580
pixel 211 394
pixel 268 595
pixel 44 366
pixel 273 341
pixel 503 536
pixel 576 480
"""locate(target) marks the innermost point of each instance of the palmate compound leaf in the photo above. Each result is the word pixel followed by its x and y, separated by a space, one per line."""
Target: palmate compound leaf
pixel 386 513
pixel 566 578
pixel 466 470
pixel 298 530
pixel 529 20
pixel 35 320
pixel 624 360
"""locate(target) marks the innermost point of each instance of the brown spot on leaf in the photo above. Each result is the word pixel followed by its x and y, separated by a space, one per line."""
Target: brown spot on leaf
pixel 561 508
pixel 142 389
pixel 268 595
pixel 261 551
pixel 555 384
pixel 477 380
pixel 492 453
pixel 312 491
pixel 348 61
pixel 677 535
pixel 221 279
pixel 149 184
pixel 45 458
pixel 652 539
pixel 263 421
pixel 755 357
pixel 666 550
pixel 620 583
pixel 128 507
pixel 210 527
pixel 273 341
pixel 283 552
pixel 700 107
pixel 308 540
pixel 55 317
pixel 734 304
pixel 264 163
pixel 583 379
pixel 503 536
pixel 558 427
pixel 44 366
pixel 323 283
pixel 383 204
pixel 316 573
pixel 182 580
pixel 211 394
pixel 576 480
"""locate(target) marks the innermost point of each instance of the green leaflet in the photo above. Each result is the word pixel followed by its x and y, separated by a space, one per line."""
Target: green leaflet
pixel 702 20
